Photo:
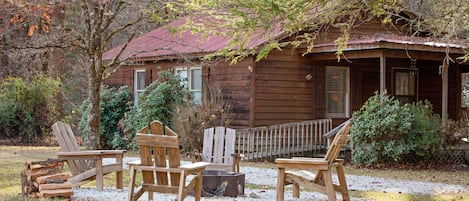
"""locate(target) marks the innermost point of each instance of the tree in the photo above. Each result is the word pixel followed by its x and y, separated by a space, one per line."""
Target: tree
pixel 303 20
pixel 88 28
pixel 92 36
pixel 26 30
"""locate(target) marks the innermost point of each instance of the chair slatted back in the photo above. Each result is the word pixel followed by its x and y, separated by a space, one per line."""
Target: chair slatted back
pixel 159 146
pixel 68 143
pixel 340 139
pixel 219 144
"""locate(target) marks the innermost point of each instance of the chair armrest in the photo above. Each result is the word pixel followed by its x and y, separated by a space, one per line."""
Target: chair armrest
pixel 135 162
pixel 90 154
pixel 80 155
pixel 302 163
pixel 194 166
pixel 113 152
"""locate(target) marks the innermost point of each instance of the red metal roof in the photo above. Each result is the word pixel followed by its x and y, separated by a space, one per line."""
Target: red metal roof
pixel 161 43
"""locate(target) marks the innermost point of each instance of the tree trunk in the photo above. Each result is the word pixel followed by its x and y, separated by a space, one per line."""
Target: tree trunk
pixel 94 109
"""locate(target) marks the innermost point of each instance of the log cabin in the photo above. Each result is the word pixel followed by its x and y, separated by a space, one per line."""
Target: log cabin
pixel 290 86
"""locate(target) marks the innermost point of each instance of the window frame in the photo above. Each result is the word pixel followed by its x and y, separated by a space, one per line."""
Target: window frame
pixel 414 71
pixel 137 91
pixel 346 93
pixel 189 86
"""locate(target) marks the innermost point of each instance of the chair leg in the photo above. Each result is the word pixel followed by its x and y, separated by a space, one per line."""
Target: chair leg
pixel 280 184
pixel 198 186
pixel 182 185
pixel 296 190
pixel 327 176
pixel 132 183
pixel 99 174
pixel 119 175
pixel 342 183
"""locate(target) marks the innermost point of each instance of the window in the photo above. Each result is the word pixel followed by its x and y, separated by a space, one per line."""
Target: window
pixel 337 91
pixel 405 84
pixel 139 84
pixel 191 78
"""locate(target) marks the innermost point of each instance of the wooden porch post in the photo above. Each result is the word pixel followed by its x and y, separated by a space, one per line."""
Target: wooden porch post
pixel 382 71
pixel 444 91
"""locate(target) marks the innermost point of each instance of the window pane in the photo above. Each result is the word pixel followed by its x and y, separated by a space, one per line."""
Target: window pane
pixel 336 79
pixel 196 79
pixel 337 91
pixel 336 103
pixel 405 84
pixel 196 96
pixel 140 80
pixel 183 75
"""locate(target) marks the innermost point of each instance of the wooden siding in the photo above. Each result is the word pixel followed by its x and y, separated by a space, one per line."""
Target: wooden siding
pixel 283 92
pixel 430 83
pixel 235 83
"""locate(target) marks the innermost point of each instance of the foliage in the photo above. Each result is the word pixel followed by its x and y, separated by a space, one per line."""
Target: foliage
pixel 28 109
pixel 114 104
pixel 384 131
pixel 191 119
pixel 156 103
pixel 245 21
pixel 453 131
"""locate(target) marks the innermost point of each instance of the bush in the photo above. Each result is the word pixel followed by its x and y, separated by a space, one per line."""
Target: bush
pixel 114 104
pixel 384 131
pixel 156 103
pixel 191 120
pixel 28 109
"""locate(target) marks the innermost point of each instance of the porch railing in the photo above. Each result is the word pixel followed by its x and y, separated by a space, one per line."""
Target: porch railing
pixel 269 142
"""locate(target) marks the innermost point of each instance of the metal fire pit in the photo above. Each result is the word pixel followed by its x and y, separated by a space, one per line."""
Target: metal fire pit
pixel 221 183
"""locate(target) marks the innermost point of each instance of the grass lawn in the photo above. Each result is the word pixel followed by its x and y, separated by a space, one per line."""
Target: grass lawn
pixel 13 158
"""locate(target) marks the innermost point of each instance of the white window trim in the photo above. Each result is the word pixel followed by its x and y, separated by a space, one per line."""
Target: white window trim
pixel 347 94
pixel 189 74
pixel 136 91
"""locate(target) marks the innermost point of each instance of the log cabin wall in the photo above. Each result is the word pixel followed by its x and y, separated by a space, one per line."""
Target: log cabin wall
pixel 125 74
pixel 430 86
pixel 235 82
pixel 284 86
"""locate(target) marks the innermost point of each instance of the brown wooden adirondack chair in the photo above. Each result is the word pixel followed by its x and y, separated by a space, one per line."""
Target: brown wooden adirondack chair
pixel 293 171
pixel 82 169
pixel 219 149
pixel 160 157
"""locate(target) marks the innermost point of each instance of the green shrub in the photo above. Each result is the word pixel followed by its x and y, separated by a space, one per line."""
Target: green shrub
pixel 28 109
pixel 114 104
pixel 191 120
pixel 156 103
pixel 384 131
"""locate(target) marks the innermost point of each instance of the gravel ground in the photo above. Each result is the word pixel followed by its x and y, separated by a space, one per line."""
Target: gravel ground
pixel 268 178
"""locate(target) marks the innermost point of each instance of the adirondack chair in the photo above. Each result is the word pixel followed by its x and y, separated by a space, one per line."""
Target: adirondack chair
pixel 160 157
pixel 219 149
pixel 86 166
pixel 293 171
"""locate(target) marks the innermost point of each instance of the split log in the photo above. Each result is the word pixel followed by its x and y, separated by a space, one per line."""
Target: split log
pixel 55 178
pixel 56 193
pixel 52 186
pixel 49 163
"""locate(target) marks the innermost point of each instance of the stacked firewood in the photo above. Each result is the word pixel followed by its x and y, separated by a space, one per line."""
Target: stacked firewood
pixel 44 179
